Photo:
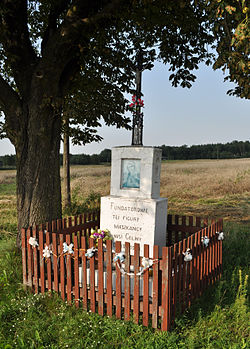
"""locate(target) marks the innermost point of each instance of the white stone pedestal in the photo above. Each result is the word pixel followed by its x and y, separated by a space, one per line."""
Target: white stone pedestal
pixel 143 221
pixel 134 211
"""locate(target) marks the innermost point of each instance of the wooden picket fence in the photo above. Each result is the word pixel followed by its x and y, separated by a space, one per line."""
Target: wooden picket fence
pixel 97 283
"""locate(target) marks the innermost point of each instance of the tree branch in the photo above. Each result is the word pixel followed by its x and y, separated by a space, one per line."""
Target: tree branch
pixel 56 10
pixel 79 26
pixel 16 41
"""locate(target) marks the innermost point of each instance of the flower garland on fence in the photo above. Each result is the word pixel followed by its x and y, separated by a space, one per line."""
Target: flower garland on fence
pixel 69 249
pixel 47 251
pixel 146 264
pixel 119 257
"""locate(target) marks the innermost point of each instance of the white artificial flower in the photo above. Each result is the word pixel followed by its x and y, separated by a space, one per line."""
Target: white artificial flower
pixel 220 235
pixel 90 252
pixel 119 256
pixel 71 251
pixel 68 248
pixel 46 252
pixel 146 262
pixel 187 255
pixel 33 242
pixel 205 241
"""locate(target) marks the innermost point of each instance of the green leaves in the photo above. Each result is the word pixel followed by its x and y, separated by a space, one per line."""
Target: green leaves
pixel 231 28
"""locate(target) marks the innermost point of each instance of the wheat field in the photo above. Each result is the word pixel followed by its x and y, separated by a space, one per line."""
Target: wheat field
pixel 214 188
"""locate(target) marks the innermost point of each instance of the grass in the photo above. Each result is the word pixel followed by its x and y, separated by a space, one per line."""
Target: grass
pixel 219 319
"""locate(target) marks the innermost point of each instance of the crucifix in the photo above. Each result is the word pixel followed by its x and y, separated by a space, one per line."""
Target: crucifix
pixel 137 125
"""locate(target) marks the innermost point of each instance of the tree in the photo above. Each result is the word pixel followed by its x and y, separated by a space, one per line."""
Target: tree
pixel 66 168
pixel 51 50
pixel 231 29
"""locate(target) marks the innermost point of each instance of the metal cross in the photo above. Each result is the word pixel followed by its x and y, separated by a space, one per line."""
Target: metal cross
pixel 137 126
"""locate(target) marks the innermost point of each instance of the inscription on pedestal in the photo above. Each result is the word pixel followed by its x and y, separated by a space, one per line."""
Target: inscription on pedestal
pixel 131 220
pixel 127 223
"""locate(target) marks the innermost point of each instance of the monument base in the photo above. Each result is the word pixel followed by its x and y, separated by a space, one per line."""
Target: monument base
pixel 135 220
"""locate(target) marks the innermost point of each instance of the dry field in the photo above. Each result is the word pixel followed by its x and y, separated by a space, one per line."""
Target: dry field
pixel 215 188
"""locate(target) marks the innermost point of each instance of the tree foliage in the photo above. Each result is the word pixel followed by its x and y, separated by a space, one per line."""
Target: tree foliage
pixel 231 29
pixel 89 49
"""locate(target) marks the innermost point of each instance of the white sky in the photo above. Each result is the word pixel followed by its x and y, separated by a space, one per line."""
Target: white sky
pixel 177 116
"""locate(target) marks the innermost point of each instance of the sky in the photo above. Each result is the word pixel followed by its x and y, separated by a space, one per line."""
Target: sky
pixel 176 116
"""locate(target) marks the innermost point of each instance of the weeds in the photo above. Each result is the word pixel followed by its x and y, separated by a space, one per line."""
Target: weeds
pixel 90 203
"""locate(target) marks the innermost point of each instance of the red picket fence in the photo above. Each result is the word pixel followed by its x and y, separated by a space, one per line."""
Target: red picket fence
pixel 101 286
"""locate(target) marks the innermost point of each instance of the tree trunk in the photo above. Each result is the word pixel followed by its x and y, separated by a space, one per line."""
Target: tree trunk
pixel 66 170
pixel 38 166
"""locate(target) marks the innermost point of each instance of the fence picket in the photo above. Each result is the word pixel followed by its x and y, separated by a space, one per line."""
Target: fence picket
pixel 145 290
pixel 201 262
pixel 127 283
pixel 165 299
pixel 180 271
pixel 155 300
pixel 189 273
pixel 92 277
pixel 55 261
pixel 209 256
pixel 84 274
pixel 136 283
pixel 30 257
pixel 220 229
pixel 109 278
pixel 214 254
pixel 35 255
pixel 118 295
pixel 76 271
pixel 207 260
pixel 194 272
pixel 198 276
pixel 100 278
pixel 48 262
pixel 62 269
pixel 69 271
pixel 184 278
pixel 24 249
pixel 42 271
pixel 175 276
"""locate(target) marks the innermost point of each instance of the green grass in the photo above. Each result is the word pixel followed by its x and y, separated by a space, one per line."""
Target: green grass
pixel 8 188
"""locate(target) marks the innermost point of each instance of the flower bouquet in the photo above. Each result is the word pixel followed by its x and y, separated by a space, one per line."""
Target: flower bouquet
pixel 98 234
